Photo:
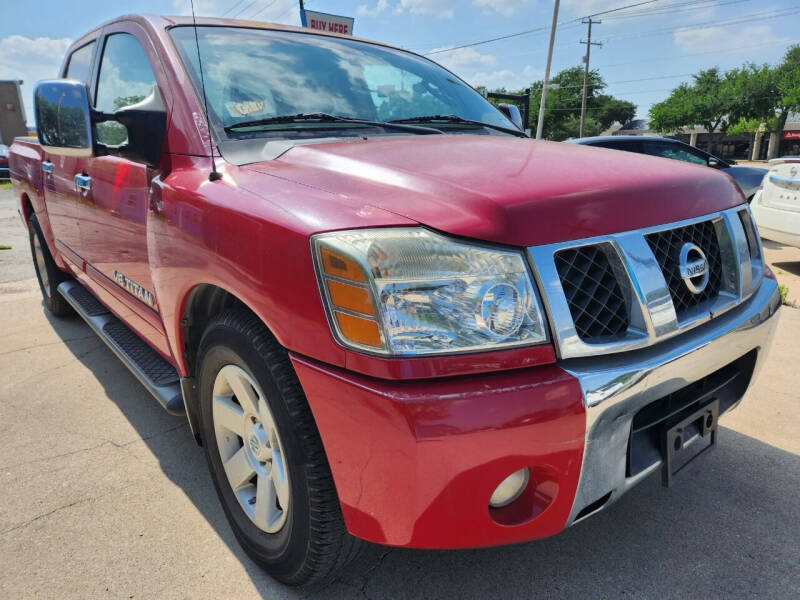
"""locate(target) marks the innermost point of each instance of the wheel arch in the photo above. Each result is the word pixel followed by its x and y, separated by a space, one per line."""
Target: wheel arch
pixel 199 306
pixel 27 208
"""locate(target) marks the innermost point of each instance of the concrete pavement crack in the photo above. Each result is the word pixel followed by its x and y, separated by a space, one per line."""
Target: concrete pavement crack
pixel 122 446
pixel 43 515
pixel 58 343
pixel 64 507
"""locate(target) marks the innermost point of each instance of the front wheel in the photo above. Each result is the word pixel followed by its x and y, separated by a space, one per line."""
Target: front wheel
pixel 265 454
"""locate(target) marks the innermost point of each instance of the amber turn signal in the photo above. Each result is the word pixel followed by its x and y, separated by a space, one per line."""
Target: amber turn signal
pixel 350 297
pixel 340 265
pixel 358 330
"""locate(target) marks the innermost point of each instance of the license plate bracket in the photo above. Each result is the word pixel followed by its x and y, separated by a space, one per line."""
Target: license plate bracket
pixel 684 441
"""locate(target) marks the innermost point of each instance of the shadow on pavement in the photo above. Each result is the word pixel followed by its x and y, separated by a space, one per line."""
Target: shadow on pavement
pixel 730 527
pixel 792 267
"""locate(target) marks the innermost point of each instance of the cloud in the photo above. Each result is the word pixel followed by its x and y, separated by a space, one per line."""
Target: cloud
pixel 510 79
pixel 711 38
pixel 275 11
pixel 588 7
pixel 442 9
pixel 364 10
pixel 462 57
pixel 506 8
pixel 31 59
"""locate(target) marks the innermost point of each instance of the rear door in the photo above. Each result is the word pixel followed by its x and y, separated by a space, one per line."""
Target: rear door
pixel 59 173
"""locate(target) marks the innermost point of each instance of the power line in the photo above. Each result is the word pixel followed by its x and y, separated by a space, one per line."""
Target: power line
pixel 261 10
pixel 234 5
pixel 671 56
pixel 613 10
pixel 758 16
pixel 244 9
pixel 674 8
pixel 665 9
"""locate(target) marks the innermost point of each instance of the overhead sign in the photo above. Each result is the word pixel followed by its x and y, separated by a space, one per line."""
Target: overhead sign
pixel 791 135
pixel 325 22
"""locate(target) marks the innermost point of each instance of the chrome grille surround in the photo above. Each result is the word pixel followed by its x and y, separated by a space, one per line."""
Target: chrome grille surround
pixel 652 314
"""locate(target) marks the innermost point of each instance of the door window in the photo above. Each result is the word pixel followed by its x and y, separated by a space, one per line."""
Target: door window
pixel 80 63
pixel 125 78
pixel 626 145
pixel 673 151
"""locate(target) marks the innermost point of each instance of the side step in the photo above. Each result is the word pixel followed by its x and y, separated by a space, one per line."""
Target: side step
pixel 157 375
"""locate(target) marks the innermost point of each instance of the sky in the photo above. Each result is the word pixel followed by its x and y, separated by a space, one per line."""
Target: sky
pixel 647 50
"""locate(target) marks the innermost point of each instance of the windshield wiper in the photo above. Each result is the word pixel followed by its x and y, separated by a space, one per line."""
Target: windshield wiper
pixel 457 119
pixel 327 118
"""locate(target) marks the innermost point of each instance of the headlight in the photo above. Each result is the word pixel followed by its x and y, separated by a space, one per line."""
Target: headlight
pixel 409 291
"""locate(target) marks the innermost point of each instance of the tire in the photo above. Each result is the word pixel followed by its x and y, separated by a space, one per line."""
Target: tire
pixel 304 542
pixel 47 272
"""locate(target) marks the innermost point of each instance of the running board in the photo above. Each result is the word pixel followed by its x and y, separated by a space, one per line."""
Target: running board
pixel 156 374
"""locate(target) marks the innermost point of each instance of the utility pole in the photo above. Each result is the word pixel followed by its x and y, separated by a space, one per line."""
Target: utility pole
pixel 589 43
pixel 546 82
pixel 301 5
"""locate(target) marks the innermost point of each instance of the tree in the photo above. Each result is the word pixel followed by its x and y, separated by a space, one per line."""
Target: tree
pixel 787 81
pixel 707 101
pixel 746 100
pixel 562 115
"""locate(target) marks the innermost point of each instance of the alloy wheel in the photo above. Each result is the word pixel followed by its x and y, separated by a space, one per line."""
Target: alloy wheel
pixel 250 449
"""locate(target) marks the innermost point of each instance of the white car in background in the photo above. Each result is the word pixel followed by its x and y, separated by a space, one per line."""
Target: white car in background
pixel 776 206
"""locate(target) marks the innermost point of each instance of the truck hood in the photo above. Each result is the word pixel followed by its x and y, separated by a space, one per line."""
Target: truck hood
pixel 502 189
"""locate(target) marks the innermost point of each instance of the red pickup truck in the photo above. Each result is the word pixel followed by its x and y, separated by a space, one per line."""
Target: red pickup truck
pixel 387 314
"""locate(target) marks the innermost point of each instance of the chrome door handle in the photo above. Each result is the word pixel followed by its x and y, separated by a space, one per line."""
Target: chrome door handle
pixel 83 182
pixel 47 167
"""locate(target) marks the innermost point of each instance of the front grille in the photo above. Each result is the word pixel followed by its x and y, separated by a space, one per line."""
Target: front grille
pixel 594 294
pixel 666 245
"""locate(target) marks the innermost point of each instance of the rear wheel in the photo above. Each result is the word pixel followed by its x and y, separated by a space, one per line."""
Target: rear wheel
pixel 47 272
pixel 265 454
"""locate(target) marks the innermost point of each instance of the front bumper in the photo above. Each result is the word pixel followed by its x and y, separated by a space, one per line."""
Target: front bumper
pixel 616 387
pixel 415 462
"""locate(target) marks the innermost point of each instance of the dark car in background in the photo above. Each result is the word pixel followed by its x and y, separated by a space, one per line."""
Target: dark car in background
pixel 748 178
pixel 4 174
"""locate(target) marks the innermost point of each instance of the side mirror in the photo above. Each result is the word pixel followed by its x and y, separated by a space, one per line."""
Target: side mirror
pixel 63 117
pixel 714 163
pixel 146 122
pixel 511 111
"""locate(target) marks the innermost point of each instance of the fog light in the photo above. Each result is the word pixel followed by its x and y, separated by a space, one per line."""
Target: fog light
pixel 510 488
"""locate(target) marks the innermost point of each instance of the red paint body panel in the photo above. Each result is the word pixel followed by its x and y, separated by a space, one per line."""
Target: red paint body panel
pixel 416 445
pixel 415 462
pixel 508 190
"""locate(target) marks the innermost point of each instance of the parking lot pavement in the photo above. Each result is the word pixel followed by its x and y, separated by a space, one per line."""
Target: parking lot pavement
pixel 105 495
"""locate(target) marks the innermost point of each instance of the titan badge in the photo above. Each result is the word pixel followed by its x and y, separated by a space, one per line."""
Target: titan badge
pixel 134 288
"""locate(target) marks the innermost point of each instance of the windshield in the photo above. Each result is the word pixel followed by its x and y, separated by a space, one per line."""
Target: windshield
pixel 256 74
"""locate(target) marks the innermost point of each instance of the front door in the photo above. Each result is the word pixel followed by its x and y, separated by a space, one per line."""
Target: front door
pixel 114 215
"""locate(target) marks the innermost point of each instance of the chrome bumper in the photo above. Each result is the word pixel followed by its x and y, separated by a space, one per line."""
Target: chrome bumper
pixel 615 387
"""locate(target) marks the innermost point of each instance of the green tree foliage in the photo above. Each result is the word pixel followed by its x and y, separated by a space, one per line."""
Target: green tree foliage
pixel 112 133
pixel 707 101
pixel 562 114
pixel 744 100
